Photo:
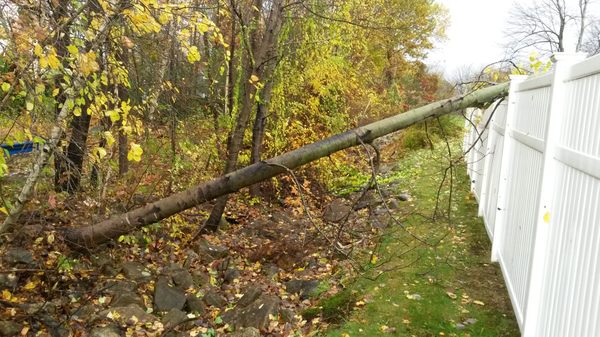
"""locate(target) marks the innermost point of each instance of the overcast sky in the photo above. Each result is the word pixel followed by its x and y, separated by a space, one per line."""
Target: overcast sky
pixel 475 34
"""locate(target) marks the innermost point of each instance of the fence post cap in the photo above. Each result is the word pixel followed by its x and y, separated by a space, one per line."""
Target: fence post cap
pixel 578 56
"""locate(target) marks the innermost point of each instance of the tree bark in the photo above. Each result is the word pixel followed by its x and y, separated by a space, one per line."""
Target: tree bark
pixel 70 178
pixel 258 131
pixel 234 181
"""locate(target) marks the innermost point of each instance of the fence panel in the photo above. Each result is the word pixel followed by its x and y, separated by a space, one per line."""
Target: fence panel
pixel 524 171
pixel 491 177
pixel 570 298
pixel 539 194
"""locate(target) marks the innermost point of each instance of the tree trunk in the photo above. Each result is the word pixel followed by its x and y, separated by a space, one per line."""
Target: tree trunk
pixel 123 161
pixel 234 181
pixel 40 163
pixel 260 50
pixel 70 178
pixel 258 131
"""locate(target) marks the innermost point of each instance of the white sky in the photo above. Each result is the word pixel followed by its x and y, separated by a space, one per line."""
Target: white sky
pixel 475 34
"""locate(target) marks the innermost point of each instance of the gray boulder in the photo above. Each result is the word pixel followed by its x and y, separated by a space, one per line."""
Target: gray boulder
pixel 304 288
pixel 173 317
pixel 336 211
pixel 213 298
pixel 135 271
pixel 209 252
pixel 9 328
pixel 256 315
pixel 125 299
pixel 167 297
pixel 17 255
pixel 105 331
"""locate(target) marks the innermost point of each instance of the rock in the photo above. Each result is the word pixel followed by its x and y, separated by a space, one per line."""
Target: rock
pixel 200 278
pixel 105 331
pixel 231 274
pixel 209 253
pixel 470 321
pixel 18 255
pixel 271 270
pixel 460 326
pixel 246 332
pixel 224 224
pixel 125 314
pixel 371 198
pixel 255 315
pixel 249 297
pixel 393 204
pixel 173 317
pixel 100 260
pixel 262 227
pixel 336 211
pixel 404 197
pixel 213 298
pixel 87 312
pixel 191 257
pixel 287 315
pixel 194 304
pixel 167 297
pixel 135 271
pixel 125 299
pixel 183 279
pixel 9 328
pixel 302 287
pixel 9 281
pixel 115 287
pixel 380 221
pixel 380 211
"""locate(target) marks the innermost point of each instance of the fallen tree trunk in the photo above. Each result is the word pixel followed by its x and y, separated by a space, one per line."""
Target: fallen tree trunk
pixel 234 181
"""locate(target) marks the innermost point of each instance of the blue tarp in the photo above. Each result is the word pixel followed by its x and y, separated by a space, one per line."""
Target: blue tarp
pixel 19 148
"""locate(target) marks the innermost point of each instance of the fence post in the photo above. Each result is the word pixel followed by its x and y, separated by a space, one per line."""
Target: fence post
pixel 507 155
pixel 562 64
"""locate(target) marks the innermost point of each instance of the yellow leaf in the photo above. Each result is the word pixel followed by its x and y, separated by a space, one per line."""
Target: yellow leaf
pixel 88 64
pixel 164 18
pixel 193 54
pixel 43 62
pixel 6 295
pixel 73 50
pixel 30 285
pixel 55 92
pixel 135 152
pixel 113 114
pixel 547 217
pixel 478 302
pixel 5 86
pixel 345 335
pixel 374 259
pixel 451 295
pixel 3 210
pixel 38 51
pixel 254 78
pixel 50 238
pixel 110 140
pixel 53 61
pixel 29 106
pixel 77 111
pixel 100 152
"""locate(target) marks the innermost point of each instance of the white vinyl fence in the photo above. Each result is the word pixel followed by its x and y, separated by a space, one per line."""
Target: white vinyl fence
pixel 534 164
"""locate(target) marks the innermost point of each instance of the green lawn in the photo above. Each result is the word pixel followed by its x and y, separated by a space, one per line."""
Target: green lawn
pixel 430 289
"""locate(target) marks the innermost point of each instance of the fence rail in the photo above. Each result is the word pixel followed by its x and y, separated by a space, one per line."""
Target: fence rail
pixel 534 164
